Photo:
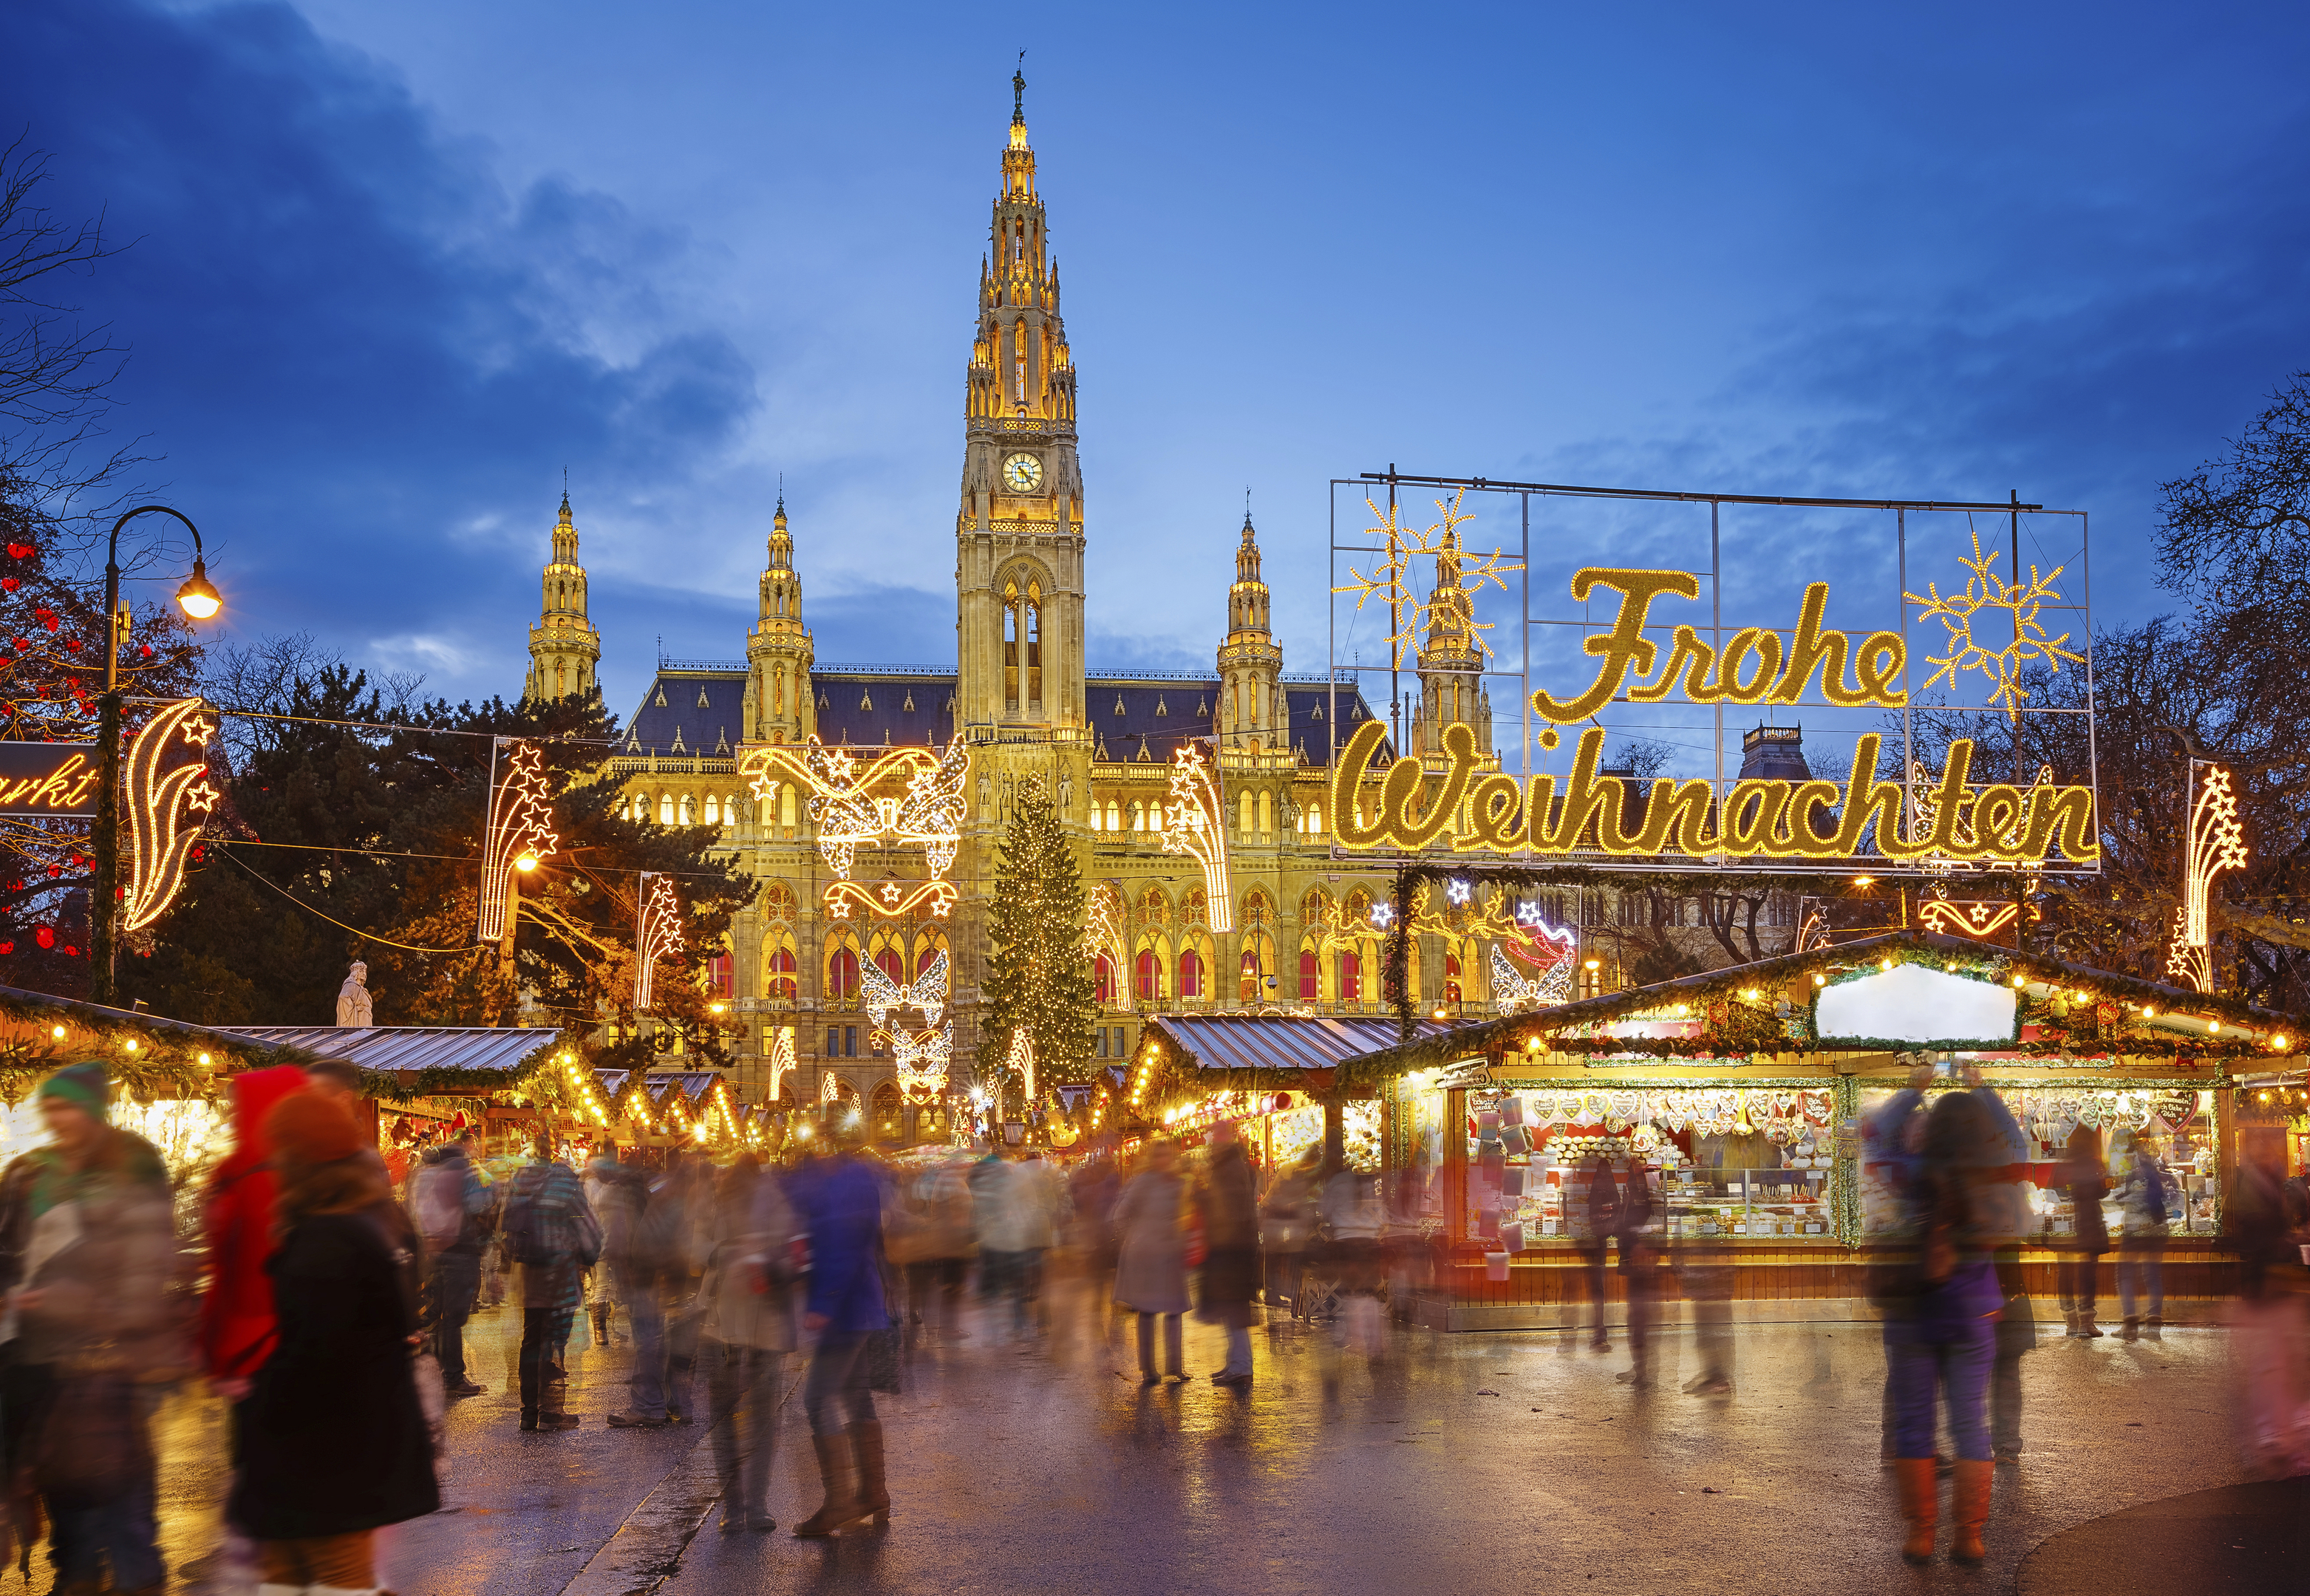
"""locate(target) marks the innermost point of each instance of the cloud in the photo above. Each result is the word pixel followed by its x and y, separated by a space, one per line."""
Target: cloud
pixel 363 361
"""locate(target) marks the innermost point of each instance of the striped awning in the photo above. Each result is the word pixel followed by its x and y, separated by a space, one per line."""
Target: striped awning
pixel 1292 1052
pixel 406 1049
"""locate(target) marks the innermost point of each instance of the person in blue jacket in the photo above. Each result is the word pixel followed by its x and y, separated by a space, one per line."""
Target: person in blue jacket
pixel 838 1202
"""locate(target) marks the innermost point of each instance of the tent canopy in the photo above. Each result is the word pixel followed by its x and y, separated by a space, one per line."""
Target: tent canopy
pixel 1274 1052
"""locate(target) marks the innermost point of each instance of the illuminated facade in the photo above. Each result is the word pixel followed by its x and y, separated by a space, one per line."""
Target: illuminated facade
pixel 1299 934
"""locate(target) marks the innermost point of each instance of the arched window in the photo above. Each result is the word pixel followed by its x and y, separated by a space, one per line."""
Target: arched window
pixel 1315 820
pixel 889 961
pixel 1249 983
pixel 1150 974
pixel 713 809
pixel 1114 815
pixel 1311 979
pixel 1191 974
pixel 1097 817
pixel 718 976
pixel 1243 813
pixel 665 808
pixel 787 807
pixel 688 808
pixel 1034 643
pixel 782 976
pixel 1104 969
pixel 1451 978
pixel 1138 815
pixel 887 1111
pixel 1351 978
pixel 842 974
pixel 1266 813
pixel 1010 645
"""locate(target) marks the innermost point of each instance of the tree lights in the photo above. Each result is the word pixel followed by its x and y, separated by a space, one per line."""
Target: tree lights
pixel 1039 983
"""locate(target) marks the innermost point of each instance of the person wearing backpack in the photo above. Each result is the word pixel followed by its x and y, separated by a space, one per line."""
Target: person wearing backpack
pixel 551 1237
pixel 448 1198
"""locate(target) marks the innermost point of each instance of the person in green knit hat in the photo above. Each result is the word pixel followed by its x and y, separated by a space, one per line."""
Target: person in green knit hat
pixel 87 1248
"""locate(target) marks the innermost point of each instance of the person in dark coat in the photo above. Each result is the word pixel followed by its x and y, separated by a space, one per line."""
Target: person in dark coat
pixel 1228 1203
pixel 335 1444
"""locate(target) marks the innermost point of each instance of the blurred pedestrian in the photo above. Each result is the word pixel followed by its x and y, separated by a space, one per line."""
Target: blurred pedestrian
pixel 1601 1212
pixel 747 1321
pixel 1092 1191
pixel 2268 1228
pixel 838 1203
pixel 602 1170
pixel 337 1443
pixel 937 1203
pixel 550 1238
pixel 1017 1223
pixel 87 1247
pixel 2142 1229
pixel 1634 1227
pixel 1353 1218
pixel 1942 1302
pixel 1287 1224
pixel 2002 1217
pixel 1150 1276
pixel 1230 1212
pixel 2084 1178
pixel 449 1201
pixel 236 1317
pixel 649 1217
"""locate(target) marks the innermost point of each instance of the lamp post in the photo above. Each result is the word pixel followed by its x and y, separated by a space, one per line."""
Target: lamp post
pixel 198 600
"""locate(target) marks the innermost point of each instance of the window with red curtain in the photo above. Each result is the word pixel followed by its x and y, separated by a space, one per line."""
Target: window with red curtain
pixel 1151 973
pixel 892 965
pixel 718 975
pixel 782 975
pixel 1311 978
pixel 1106 967
pixel 1191 974
pixel 1352 978
pixel 1451 978
pixel 842 974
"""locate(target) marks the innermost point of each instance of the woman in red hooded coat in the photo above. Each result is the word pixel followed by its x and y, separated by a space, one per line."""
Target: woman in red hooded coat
pixel 237 1323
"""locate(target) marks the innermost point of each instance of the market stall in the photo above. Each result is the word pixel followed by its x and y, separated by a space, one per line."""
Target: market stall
pixel 1741 1099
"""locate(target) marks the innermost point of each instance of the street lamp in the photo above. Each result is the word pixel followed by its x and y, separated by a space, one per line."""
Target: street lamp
pixel 198 599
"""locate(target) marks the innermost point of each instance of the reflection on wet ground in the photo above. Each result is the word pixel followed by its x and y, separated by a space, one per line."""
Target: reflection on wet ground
pixel 1463 1463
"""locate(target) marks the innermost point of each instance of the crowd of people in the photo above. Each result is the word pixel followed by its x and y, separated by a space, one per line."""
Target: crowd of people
pixel 327 1306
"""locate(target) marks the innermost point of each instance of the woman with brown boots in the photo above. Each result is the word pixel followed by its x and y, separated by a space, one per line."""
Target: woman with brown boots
pixel 1942 1303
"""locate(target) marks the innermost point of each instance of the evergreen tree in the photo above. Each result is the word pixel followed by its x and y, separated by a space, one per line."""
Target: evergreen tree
pixel 1037 979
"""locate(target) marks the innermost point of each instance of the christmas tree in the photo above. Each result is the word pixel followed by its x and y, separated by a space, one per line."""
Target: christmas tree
pixel 1037 980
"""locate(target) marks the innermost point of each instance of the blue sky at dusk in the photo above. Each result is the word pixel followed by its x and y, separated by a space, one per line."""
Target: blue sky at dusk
pixel 396 266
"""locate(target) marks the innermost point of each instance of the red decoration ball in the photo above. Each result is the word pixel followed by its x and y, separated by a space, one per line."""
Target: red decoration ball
pixel 46 936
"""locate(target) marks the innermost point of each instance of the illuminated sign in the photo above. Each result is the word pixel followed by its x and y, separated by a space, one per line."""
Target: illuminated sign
pixel 169 799
pixel 47 781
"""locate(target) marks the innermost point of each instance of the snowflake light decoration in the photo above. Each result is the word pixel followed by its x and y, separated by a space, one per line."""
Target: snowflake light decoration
pixel 1459 579
pixel 1986 591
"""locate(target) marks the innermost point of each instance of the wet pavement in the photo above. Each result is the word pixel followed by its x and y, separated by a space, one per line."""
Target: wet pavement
pixel 1468 1462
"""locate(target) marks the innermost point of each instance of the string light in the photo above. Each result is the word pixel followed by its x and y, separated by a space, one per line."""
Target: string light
pixel 1195 826
pixel 520 824
pixel 782 1058
pixel 852 804
pixel 2217 843
pixel 161 804
pixel 657 933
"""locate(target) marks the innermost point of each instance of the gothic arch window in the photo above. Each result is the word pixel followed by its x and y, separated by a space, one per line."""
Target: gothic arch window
pixel 1138 815
pixel 1266 813
pixel 787 807
pixel 1103 971
pixel 1034 633
pixel 1010 645
pixel 779 970
pixel 1149 973
pixel 1114 815
pixel 665 808
pixel 928 946
pixel 1194 908
pixel 1352 977
pixel 713 809
pixel 1243 813
pixel 1192 978
pixel 842 973
pixel 688 809
pixel 1311 974
pixel 1154 908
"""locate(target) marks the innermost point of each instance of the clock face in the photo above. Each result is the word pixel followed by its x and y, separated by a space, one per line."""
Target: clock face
pixel 1022 473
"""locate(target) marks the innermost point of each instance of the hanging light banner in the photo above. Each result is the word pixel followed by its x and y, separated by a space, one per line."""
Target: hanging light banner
pixel 49 781
pixel 1966 655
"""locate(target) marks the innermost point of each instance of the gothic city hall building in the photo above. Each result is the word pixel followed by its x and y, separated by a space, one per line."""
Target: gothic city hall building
pixel 1021 694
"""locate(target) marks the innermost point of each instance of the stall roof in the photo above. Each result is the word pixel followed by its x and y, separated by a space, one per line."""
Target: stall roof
pixel 93 1023
pixel 2179 1009
pixel 1243 1046
pixel 407 1049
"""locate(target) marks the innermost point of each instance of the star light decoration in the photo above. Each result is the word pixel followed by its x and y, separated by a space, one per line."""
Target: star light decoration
pixel 922 1056
pixel 2019 602
pixel 782 1059
pixel 1022 1059
pixel 1194 824
pixel 1458 577
pixel 657 932
pixel 1103 916
pixel 167 807
pixel 520 824
pixel 854 804
pixel 2217 843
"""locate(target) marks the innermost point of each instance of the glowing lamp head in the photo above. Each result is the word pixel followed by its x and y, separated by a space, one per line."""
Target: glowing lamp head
pixel 57 1032
pixel 1595 964
pixel 1864 881
pixel 1884 964
pixel 1436 1013
pixel 2212 1026
pixel 197 598
pixel 1820 980
pixel 2148 1012
pixel 2020 982
pixel 130 1045
pixel 526 864
pixel 2278 1043
pixel 716 1008
pixel 205 1058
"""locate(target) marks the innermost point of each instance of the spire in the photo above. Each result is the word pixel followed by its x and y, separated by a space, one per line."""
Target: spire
pixel 1019 93
pixel 563 645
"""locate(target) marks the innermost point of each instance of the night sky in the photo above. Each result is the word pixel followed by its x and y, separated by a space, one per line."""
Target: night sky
pixel 396 266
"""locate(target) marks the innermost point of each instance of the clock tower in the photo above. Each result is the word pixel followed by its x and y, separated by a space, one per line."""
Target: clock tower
pixel 1018 537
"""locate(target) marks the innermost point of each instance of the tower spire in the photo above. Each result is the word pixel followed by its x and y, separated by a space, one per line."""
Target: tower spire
pixel 563 645
pixel 1019 93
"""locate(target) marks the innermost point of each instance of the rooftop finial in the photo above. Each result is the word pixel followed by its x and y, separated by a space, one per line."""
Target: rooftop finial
pixel 565 496
pixel 1246 515
pixel 1019 93
pixel 782 493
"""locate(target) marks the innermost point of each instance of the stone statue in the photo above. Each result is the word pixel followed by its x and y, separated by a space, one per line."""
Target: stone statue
pixel 353 997
pixel 985 795
pixel 1066 789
